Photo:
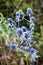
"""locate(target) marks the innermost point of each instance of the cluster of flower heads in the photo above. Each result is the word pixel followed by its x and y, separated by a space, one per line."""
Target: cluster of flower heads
pixel 24 34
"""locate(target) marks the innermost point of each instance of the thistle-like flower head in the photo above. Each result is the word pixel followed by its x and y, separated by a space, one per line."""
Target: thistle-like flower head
pixel 29 11
pixel 24 28
pixel 10 20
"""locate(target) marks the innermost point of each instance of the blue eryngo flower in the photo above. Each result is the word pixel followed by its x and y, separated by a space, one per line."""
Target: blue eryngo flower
pixel 13 47
pixel 33 54
pixel 10 20
pixel 19 31
pixel 17 17
pixel 17 14
pixel 24 28
pixel 32 19
pixel 21 12
pixel 29 11
pixel 32 50
pixel 11 26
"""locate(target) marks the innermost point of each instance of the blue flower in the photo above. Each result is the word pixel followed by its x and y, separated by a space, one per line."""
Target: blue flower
pixel 31 51
pixel 32 19
pixel 13 47
pixel 24 28
pixel 10 20
pixel 29 11
pixel 17 14
pixel 21 12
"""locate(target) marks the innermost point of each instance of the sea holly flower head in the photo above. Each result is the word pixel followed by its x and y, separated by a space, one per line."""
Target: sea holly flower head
pixel 34 56
pixel 21 12
pixel 24 28
pixel 29 11
pixel 13 47
pixel 32 50
pixel 17 17
pixel 17 14
pixel 10 26
pixel 32 19
pixel 10 20
pixel 33 53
